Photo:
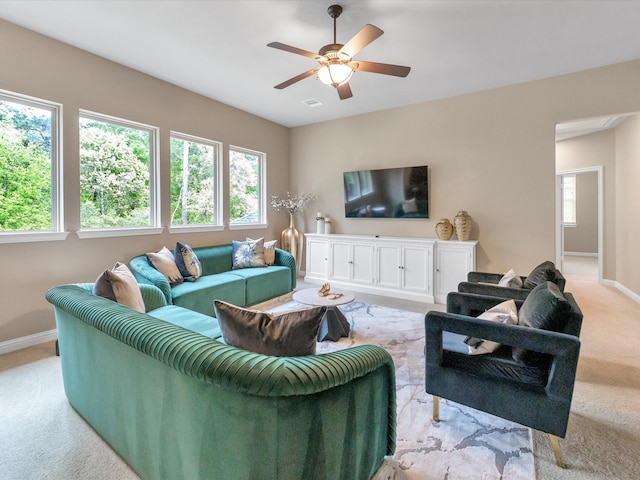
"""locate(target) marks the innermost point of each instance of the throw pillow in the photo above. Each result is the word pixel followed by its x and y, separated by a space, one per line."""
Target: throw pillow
pixel 545 308
pixel 248 254
pixel 288 334
pixel 165 263
pixel 269 251
pixel 505 312
pixel 543 272
pixel 187 262
pixel 510 279
pixel 119 285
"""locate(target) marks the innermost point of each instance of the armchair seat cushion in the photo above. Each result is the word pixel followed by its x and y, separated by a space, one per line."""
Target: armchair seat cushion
pixel 498 365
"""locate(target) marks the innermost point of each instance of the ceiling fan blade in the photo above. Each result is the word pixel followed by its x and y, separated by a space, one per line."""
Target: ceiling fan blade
pixel 364 37
pixel 344 91
pixel 289 48
pixel 297 78
pixel 385 68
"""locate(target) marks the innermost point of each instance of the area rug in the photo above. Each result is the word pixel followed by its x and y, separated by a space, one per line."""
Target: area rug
pixel 466 443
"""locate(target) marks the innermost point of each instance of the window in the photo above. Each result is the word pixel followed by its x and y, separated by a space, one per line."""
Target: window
pixel 117 176
pixel 246 188
pixel 195 182
pixel 30 169
pixel 569 200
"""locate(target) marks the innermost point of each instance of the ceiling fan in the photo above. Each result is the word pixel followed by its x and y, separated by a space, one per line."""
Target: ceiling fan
pixel 336 60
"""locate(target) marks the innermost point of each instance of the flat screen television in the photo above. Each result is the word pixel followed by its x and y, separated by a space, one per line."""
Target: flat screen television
pixel 387 193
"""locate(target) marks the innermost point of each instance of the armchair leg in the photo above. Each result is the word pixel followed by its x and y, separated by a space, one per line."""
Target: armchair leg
pixel 555 444
pixel 436 409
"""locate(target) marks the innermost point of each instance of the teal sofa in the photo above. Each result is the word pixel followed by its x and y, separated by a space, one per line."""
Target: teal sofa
pixel 242 287
pixel 175 403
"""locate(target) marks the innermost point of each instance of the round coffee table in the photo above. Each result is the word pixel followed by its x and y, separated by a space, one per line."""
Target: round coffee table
pixel 334 324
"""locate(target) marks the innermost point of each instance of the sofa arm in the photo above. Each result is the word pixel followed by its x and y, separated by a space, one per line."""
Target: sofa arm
pixel 562 348
pixel 146 273
pixel 285 259
pixel 494 290
pixel 151 296
pixel 485 277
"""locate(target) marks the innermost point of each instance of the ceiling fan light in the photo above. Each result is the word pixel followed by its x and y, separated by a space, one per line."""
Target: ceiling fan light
pixel 335 74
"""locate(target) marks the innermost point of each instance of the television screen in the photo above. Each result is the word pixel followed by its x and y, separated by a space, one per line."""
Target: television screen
pixel 387 193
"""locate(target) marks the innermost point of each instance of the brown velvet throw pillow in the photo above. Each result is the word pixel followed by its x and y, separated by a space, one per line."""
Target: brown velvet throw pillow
pixel 119 285
pixel 288 334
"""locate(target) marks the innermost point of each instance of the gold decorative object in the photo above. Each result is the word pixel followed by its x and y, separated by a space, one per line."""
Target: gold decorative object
pixel 293 242
pixel 324 290
pixel 444 229
pixel 462 223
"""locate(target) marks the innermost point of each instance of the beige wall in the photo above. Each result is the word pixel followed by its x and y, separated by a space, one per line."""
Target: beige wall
pixel 583 237
pixel 491 153
pixel 37 66
pixel 628 203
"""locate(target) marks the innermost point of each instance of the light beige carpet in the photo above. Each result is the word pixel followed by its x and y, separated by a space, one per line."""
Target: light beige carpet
pixel 41 437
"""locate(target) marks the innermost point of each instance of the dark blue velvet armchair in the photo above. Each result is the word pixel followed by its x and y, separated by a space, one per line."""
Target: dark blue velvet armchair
pixel 485 283
pixel 533 388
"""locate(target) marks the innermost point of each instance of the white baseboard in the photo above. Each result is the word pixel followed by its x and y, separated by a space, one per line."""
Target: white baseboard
pixel 629 293
pixel 28 341
pixel 580 254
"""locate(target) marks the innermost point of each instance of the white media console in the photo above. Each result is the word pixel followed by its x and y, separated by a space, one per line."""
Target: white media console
pixel 421 269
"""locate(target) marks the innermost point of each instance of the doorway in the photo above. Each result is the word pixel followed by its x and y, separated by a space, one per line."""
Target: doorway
pixel 579 222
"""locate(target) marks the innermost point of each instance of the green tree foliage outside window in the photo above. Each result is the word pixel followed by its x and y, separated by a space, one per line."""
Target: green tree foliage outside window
pixel 244 187
pixel 193 182
pixel 114 175
pixel 25 167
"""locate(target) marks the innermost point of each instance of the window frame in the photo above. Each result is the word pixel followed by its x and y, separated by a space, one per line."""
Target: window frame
pixel 154 180
pixel 56 232
pixel 569 202
pixel 262 183
pixel 218 186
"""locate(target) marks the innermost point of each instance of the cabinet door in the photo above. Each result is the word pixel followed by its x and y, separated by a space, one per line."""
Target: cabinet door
pixel 415 268
pixel 389 265
pixel 317 258
pixel 362 263
pixel 340 261
pixel 452 265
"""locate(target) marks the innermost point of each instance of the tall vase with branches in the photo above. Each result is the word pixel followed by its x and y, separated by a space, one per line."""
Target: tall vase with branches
pixel 292 240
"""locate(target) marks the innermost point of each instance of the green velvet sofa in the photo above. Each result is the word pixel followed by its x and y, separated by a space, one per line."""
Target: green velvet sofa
pixel 175 403
pixel 242 287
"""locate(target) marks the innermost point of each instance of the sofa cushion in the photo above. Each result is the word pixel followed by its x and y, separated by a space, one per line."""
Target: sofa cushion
pixel 165 263
pixel 119 285
pixel 288 334
pixel 263 283
pixel 545 308
pixel 543 272
pixel 199 295
pixel 248 254
pixel 194 321
pixel 187 262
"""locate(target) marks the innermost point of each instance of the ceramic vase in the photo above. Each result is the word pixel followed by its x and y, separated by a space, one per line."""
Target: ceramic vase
pixel 292 240
pixel 462 224
pixel 444 229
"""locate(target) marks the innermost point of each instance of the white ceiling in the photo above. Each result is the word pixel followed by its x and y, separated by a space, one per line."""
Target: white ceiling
pixel 218 48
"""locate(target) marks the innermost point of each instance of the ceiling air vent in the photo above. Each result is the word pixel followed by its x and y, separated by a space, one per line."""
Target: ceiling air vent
pixel 312 102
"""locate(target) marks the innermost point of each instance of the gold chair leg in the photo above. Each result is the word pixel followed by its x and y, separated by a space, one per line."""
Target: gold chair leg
pixel 555 444
pixel 436 409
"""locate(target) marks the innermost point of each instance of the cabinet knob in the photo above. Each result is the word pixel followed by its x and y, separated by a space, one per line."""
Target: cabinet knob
pixel 350 261
pixel 400 266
